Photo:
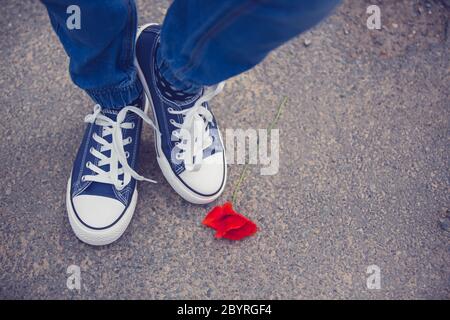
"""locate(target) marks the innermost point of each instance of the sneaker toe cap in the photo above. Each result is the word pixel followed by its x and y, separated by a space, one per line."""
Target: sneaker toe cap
pixel 209 179
pixel 97 211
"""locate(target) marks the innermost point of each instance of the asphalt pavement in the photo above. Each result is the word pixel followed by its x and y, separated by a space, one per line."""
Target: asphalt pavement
pixel 363 177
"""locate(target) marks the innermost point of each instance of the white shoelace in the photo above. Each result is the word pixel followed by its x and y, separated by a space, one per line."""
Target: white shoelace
pixel 116 148
pixel 193 133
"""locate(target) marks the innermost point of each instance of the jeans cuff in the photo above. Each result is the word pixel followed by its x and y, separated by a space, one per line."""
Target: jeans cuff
pixel 117 97
pixel 179 83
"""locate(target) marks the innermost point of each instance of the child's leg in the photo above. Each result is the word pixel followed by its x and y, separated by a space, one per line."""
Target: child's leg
pixel 101 52
pixel 101 192
pixel 206 41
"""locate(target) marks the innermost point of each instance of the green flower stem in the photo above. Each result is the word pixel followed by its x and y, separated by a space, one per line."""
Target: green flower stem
pixel 243 174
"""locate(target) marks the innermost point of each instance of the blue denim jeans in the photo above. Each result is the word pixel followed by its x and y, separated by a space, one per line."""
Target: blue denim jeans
pixel 203 42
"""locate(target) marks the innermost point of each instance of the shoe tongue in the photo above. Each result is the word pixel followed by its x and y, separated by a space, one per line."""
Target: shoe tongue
pixel 171 93
pixel 111 113
pixel 186 106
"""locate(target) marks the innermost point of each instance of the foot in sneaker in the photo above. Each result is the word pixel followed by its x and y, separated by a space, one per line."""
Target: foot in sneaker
pixel 189 146
pixel 101 192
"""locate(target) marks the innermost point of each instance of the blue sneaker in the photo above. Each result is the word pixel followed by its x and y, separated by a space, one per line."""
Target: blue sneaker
pixel 101 192
pixel 189 146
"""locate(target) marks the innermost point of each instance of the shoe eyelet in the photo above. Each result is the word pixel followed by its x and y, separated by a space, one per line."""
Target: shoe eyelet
pixel 120 187
pixel 88 164
pixel 130 139
pixel 91 149
pixel 132 125
pixel 83 178
pixel 127 154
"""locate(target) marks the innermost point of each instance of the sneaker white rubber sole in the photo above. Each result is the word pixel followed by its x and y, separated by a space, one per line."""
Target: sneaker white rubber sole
pixel 164 164
pixel 104 236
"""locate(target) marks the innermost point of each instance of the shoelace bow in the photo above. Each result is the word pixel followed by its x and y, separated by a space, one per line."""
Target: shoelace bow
pixel 193 132
pixel 116 148
pixel 195 125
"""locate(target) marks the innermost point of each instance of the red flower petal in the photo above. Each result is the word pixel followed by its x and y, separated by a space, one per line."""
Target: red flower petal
pixel 246 230
pixel 228 223
pixel 213 217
